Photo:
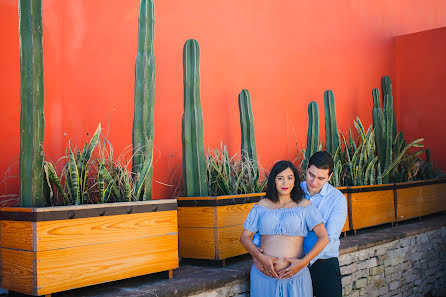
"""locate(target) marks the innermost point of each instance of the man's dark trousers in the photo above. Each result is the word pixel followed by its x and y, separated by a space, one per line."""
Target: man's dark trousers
pixel 326 278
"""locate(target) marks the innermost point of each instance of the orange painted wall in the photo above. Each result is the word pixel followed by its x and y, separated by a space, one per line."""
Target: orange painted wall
pixel 421 90
pixel 286 53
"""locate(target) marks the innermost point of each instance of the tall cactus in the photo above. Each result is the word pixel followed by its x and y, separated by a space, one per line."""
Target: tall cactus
pixel 331 129
pixel 378 125
pixel 389 116
pixel 32 120
pixel 194 159
pixel 389 128
pixel 390 123
pixel 248 143
pixel 390 145
pixel 313 132
pixel 386 85
pixel 144 100
pixel 383 122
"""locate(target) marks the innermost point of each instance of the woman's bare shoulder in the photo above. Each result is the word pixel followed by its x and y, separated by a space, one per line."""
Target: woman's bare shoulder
pixel 265 202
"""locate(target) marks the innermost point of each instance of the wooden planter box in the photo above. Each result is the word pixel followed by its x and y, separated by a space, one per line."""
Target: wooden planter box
pixel 416 199
pixel 53 249
pixel 210 227
pixel 371 205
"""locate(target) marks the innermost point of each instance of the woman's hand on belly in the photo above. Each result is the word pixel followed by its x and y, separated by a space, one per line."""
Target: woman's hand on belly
pixel 269 265
pixel 283 248
pixel 295 266
pixel 281 264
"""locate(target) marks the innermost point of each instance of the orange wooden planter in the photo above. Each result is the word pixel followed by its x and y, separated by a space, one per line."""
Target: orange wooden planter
pixel 53 249
pixel 371 205
pixel 415 199
pixel 210 227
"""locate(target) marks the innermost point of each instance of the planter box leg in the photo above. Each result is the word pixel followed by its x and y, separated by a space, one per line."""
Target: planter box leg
pixel 170 273
pixel 223 263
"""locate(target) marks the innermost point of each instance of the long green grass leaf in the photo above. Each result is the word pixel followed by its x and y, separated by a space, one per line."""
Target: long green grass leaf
pixel 52 175
pixel 108 191
pixel 397 160
pixel 74 178
pixel 127 187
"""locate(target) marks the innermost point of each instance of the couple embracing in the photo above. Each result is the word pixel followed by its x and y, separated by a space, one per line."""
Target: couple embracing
pixel 299 224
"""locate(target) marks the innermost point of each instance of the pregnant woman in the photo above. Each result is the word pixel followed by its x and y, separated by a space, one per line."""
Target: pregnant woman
pixel 283 219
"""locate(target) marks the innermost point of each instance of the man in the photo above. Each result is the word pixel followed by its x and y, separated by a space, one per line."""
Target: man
pixel 332 205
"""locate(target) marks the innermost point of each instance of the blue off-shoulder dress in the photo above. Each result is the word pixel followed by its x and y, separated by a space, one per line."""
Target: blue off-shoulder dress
pixel 295 221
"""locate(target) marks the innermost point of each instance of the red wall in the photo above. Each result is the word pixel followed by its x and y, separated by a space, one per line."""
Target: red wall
pixel 286 53
pixel 421 89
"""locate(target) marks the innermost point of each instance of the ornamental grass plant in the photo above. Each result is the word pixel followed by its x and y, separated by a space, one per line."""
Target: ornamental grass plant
pixel 230 175
pixel 93 175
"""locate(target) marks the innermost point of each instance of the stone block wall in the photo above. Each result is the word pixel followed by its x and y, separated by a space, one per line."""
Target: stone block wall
pixel 410 266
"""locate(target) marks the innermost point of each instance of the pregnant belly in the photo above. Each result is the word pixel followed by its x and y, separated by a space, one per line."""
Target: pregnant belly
pixel 281 264
pixel 282 246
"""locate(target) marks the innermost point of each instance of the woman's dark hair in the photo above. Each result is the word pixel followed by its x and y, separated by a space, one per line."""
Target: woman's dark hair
pixel 271 191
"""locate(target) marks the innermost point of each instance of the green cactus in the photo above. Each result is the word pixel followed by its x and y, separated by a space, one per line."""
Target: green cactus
pixel 378 125
pixel 384 125
pixel 427 170
pixel 32 120
pixel 248 143
pixel 144 100
pixel 194 159
pixel 331 129
pixel 386 85
pixel 313 132
pixel 388 117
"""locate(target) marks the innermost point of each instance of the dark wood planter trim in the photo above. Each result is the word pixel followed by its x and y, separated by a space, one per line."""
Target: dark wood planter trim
pixel 420 183
pixel 41 214
pixel 344 190
pixel 374 188
pixel 221 201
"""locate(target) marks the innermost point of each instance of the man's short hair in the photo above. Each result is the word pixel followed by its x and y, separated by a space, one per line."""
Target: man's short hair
pixel 322 160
